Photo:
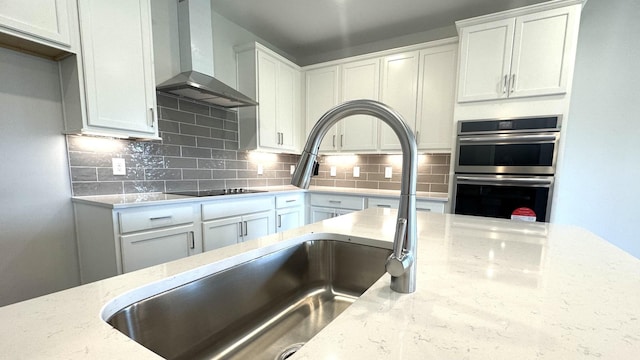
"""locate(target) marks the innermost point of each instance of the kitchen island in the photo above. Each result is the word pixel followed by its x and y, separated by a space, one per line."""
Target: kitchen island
pixel 486 289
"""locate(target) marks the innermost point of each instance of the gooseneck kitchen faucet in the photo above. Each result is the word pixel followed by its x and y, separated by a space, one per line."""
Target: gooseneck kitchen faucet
pixel 401 264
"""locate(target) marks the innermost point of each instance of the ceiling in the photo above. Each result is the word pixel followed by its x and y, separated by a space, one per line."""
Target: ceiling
pixel 304 28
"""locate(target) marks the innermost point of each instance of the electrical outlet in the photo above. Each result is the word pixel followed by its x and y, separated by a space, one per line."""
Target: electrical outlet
pixel 119 166
pixel 260 169
pixel 333 171
pixel 292 169
pixel 387 172
pixel 356 171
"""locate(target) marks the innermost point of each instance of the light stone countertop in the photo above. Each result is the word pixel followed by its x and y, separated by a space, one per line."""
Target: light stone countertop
pixel 121 201
pixel 487 289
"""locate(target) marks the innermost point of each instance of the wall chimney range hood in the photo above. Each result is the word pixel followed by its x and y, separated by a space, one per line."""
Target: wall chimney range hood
pixel 196 79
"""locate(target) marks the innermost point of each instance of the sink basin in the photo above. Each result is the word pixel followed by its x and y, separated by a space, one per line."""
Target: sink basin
pixel 265 308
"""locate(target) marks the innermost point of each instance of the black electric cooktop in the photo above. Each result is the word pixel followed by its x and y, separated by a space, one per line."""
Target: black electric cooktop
pixel 219 192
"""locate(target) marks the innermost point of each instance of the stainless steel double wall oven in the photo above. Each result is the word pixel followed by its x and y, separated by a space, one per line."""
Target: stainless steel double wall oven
pixel 505 168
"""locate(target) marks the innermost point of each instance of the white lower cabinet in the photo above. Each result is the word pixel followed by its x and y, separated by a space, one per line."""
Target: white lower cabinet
pixel 156 247
pixel 290 218
pixel 320 213
pixel 115 241
pixel 290 211
pixel 326 206
pixel 233 221
pixel 236 229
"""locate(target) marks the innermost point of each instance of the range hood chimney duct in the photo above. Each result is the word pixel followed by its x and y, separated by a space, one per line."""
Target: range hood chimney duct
pixel 196 80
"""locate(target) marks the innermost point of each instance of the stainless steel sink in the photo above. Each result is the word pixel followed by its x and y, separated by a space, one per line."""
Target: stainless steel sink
pixel 261 309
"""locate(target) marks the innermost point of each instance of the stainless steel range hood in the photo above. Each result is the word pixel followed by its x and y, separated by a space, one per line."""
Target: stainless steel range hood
pixel 196 80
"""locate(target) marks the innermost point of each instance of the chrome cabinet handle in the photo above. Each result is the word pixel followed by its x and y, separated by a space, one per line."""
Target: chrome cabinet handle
pixel 245 228
pixel 241 230
pixel 279 221
pixel 383 206
pixel 335 201
pixel 160 218
pixel 512 85
pixel 341 140
pixel 192 235
pixel 153 119
pixel 505 84
pixel 334 141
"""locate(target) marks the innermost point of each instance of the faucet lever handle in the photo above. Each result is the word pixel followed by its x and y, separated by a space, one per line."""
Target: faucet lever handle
pixel 398 262
pixel 398 240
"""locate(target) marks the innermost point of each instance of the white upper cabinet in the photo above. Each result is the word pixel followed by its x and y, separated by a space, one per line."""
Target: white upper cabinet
pixel 540 61
pixel 322 92
pixel 525 55
pixel 109 88
pixel 420 85
pixel 416 81
pixel 399 90
pixel 360 80
pixel 273 125
pixel 41 26
pixel 436 97
pixel 329 86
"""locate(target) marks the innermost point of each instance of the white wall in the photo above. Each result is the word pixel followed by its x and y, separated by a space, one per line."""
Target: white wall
pixel 600 171
pixel 37 237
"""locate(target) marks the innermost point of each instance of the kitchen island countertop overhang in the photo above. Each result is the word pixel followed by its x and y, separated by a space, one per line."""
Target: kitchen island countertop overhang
pixel 487 289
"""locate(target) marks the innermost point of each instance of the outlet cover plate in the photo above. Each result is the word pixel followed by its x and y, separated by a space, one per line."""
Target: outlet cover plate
pixel 119 166
pixel 387 172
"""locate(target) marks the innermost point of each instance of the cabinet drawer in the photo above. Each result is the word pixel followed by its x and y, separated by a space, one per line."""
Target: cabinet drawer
pixel 289 200
pixel 433 206
pixel 154 217
pixel 338 201
pixel 227 208
pixel 382 203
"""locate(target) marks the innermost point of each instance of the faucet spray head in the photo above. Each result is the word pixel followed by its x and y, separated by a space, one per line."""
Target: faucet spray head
pixel 302 175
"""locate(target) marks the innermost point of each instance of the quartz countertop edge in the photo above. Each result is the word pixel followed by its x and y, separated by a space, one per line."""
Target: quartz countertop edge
pixel 486 289
pixel 121 201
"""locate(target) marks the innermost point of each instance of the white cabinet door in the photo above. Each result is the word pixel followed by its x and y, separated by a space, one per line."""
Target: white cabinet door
pixel 485 60
pixel 221 233
pixel 44 21
pixel 319 214
pixel 268 99
pixel 156 247
pixel 257 225
pixel 360 80
pixel 289 218
pixel 436 98
pixel 229 231
pixel 275 83
pixel 540 54
pixel 322 93
pixel 399 91
pixel 287 107
pixel 529 55
pixel 118 65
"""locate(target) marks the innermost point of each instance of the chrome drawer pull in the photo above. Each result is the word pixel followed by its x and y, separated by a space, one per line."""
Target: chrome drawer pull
pixel 160 218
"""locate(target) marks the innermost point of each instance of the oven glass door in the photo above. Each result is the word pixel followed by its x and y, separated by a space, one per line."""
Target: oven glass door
pixel 522 154
pixel 503 197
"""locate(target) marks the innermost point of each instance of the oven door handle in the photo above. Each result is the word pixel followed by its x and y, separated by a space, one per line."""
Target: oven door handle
pixel 538 138
pixel 520 181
